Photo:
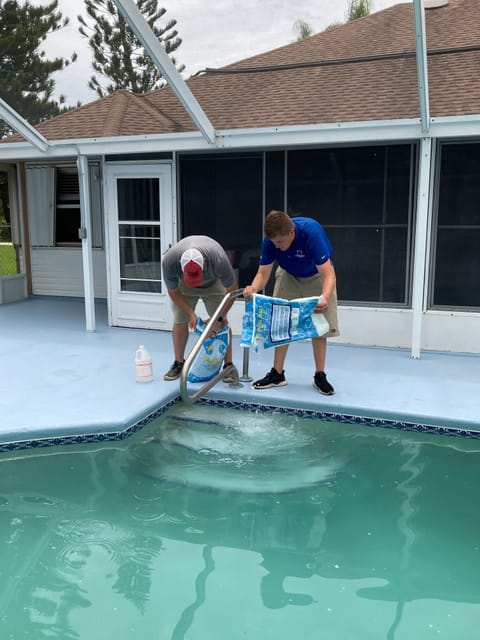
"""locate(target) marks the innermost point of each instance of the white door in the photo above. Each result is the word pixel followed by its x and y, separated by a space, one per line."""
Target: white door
pixel 140 222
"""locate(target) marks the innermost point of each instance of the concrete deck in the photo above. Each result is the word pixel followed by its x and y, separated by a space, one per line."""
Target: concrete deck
pixel 58 380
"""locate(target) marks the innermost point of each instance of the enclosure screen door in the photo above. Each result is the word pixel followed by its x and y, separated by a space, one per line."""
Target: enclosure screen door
pixel 140 230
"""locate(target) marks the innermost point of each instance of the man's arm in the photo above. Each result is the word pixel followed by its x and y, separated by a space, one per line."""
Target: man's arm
pixel 327 273
pixel 178 299
pixel 259 281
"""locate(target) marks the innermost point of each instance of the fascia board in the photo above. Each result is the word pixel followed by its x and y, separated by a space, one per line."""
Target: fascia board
pixel 331 134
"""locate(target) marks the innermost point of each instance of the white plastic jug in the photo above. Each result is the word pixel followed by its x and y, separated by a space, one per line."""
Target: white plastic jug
pixel 143 365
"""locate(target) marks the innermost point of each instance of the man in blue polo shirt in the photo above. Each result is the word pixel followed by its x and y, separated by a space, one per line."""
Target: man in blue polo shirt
pixel 304 255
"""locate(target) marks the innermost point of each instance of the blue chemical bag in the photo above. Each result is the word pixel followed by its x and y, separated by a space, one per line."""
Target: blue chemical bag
pixel 210 357
pixel 271 322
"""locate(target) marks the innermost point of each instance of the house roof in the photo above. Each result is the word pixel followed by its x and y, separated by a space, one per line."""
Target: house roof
pixel 363 70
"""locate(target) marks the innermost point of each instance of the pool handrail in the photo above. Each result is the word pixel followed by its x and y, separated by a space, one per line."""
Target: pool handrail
pixel 230 370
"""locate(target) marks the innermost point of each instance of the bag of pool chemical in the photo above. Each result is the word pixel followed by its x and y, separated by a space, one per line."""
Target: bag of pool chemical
pixel 271 322
pixel 210 357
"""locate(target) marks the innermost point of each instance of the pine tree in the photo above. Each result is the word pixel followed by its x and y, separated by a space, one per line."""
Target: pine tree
pixel 25 72
pixel 302 29
pixel 118 55
pixel 358 9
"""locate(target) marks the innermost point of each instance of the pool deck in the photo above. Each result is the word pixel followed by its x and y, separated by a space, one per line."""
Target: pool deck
pixel 58 380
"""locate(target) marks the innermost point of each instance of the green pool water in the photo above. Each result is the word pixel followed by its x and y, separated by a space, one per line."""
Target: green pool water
pixel 221 524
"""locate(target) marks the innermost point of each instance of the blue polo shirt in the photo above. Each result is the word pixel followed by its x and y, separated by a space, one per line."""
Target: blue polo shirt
pixel 310 247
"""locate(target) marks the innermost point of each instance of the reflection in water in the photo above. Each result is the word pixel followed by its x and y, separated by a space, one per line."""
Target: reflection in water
pixel 154 532
pixel 186 619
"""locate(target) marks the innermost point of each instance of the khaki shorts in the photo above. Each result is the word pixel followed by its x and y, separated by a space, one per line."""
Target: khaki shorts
pixel 212 296
pixel 289 287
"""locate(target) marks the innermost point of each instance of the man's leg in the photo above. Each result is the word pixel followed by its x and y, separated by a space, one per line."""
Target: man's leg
pixel 279 357
pixel 319 346
pixel 320 381
pixel 180 339
pixel 229 351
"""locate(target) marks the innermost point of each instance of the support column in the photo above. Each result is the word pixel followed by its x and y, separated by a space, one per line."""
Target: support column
pixel 420 266
pixel 85 234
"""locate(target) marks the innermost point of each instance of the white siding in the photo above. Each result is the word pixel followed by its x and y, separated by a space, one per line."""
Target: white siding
pixel 59 272
pixel 453 331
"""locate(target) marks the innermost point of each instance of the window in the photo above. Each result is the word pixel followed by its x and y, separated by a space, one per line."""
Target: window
pixel 363 196
pixel 456 264
pixel 221 196
pixel 363 199
pixel 9 248
pixel 67 209
pixel 53 201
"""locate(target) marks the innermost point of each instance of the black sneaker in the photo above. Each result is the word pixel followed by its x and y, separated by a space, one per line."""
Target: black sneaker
pixel 272 379
pixel 174 372
pixel 321 383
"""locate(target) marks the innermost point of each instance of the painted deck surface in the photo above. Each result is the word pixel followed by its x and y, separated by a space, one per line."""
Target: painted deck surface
pixel 56 379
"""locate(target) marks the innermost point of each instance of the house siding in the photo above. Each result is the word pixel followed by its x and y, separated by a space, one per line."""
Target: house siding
pixel 59 272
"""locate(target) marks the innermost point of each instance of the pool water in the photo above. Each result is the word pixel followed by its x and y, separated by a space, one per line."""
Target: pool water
pixel 221 524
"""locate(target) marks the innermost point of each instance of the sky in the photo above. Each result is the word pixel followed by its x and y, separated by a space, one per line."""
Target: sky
pixel 213 33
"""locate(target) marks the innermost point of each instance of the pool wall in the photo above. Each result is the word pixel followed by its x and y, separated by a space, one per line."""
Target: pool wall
pixel 122 434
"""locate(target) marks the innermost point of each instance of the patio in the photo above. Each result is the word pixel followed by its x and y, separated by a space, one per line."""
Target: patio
pixel 58 380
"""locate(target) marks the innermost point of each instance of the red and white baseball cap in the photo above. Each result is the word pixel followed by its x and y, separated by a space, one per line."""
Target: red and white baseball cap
pixel 192 267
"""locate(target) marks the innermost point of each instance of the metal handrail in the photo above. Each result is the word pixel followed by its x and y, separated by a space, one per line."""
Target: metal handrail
pixel 223 373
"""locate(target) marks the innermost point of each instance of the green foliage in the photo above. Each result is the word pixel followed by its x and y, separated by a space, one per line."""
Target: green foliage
pixel 118 55
pixel 332 25
pixel 302 29
pixel 25 72
pixel 358 9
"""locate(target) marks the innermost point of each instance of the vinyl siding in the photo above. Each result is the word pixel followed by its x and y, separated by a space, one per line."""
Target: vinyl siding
pixel 59 272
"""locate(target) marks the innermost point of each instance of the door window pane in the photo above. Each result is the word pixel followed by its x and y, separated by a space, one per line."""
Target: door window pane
pixel 138 199
pixel 139 234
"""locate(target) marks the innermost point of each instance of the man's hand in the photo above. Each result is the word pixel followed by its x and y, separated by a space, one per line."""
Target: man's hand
pixel 192 320
pixel 249 291
pixel 322 305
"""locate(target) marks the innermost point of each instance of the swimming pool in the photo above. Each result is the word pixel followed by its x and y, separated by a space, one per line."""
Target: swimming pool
pixel 214 523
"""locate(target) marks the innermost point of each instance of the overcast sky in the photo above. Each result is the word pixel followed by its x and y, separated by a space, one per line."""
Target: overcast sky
pixel 214 33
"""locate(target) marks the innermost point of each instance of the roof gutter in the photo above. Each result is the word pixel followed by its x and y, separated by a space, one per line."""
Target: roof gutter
pixel 335 133
pixel 141 29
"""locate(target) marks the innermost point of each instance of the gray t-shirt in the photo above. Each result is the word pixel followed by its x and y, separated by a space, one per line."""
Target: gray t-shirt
pixel 216 263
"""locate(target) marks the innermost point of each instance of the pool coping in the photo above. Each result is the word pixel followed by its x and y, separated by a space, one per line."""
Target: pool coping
pixel 344 417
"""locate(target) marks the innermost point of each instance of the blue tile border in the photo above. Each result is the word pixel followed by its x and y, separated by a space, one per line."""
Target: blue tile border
pixel 245 406
pixel 370 421
pixel 88 438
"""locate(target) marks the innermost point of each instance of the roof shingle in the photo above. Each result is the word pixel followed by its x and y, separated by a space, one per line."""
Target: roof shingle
pixel 360 71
